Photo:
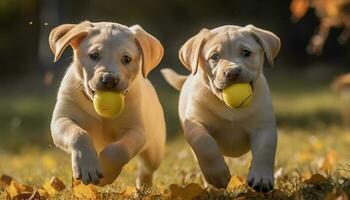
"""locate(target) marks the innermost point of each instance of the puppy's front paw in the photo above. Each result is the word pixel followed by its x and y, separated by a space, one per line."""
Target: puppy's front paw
pixel 261 180
pixel 86 166
pixel 217 175
pixel 111 165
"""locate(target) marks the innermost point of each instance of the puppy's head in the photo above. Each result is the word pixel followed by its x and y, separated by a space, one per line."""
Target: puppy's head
pixel 109 56
pixel 229 54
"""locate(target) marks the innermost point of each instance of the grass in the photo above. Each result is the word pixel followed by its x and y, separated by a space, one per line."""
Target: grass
pixel 309 123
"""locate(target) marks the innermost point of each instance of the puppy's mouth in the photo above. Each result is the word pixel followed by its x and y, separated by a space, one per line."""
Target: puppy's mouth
pixel 90 91
pixel 123 92
pixel 251 83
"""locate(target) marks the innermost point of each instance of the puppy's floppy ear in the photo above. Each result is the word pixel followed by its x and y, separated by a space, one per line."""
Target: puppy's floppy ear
pixel 63 35
pixel 269 41
pixel 152 49
pixel 190 51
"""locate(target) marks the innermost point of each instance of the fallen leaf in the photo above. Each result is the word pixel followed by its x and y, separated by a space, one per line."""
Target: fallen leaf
pixel 84 191
pixel 248 195
pixel 5 181
pixel 235 182
pixel 54 186
pixel 18 191
pixel 175 191
pixel 43 193
pixel 277 194
pixel 191 191
pixel 316 179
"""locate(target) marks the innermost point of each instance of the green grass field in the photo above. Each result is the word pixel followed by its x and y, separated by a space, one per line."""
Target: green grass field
pixel 310 132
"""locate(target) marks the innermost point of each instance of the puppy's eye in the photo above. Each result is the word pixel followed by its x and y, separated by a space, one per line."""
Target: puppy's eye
pixel 215 57
pixel 246 53
pixel 126 60
pixel 94 56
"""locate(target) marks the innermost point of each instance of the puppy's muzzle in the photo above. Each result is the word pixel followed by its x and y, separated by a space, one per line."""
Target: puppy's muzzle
pixel 236 75
pixel 233 75
pixel 109 81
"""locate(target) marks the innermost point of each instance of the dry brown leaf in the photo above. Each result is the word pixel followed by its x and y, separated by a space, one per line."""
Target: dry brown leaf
pixel 316 179
pixel 84 191
pixel 191 191
pixel 54 186
pixel 188 192
pixel 248 195
pixel 18 191
pixel 236 181
pixel 5 181
pixel 175 191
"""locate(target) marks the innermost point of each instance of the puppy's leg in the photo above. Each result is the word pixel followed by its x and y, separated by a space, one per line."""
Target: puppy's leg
pixel 149 161
pixel 115 155
pixel 208 154
pixel 73 139
pixel 263 146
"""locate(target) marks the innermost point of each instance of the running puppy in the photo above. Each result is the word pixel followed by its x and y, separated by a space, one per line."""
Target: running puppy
pixel 109 57
pixel 217 59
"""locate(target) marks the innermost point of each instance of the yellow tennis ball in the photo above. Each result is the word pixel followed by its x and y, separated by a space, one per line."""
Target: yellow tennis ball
pixel 108 104
pixel 238 95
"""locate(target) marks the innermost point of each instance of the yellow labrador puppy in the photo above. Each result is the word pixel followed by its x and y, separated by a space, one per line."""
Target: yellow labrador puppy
pixel 109 57
pixel 219 58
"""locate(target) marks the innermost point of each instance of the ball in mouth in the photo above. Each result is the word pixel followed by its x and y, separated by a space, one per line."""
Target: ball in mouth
pixel 238 95
pixel 108 104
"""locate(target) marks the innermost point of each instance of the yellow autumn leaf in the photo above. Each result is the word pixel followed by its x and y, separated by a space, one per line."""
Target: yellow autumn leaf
pixel 42 193
pixel 18 191
pixel 54 186
pixel 84 191
pixel 235 182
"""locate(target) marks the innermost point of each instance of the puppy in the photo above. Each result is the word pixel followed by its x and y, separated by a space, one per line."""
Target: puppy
pixel 219 58
pixel 108 57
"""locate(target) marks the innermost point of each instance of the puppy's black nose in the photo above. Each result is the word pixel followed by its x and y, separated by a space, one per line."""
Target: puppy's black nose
pixel 109 81
pixel 234 73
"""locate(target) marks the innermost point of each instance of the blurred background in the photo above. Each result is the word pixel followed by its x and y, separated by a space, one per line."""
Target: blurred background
pixel 300 80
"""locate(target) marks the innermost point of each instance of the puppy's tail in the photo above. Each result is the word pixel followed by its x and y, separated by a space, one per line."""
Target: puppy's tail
pixel 174 79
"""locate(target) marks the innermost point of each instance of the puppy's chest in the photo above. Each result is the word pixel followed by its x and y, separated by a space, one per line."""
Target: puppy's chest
pixel 104 133
pixel 232 138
